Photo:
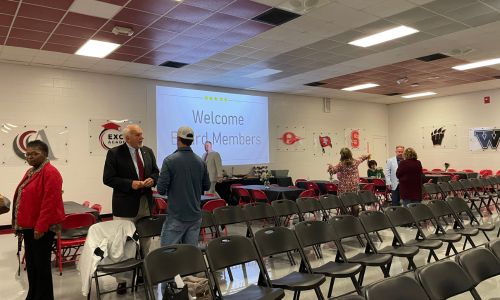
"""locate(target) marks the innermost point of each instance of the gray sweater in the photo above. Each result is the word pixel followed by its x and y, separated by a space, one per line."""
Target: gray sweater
pixel 183 178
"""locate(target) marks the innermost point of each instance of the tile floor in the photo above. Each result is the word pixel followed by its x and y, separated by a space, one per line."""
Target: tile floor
pixel 68 285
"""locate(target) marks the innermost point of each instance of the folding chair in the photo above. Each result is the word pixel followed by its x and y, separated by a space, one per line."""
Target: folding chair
pixel 160 206
pixel 228 251
pixel 368 198
pixel 375 221
pixel 331 202
pixel 314 234
pixel 285 210
pixel 432 190
pixel 259 211
pixel 494 247
pixel 346 226
pixel 401 216
pixel 308 194
pixel 479 263
pixel 163 264
pixel 308 205
pixel 277 240
pixel 445 279
pixel 259 196
pixel 472 187
pixel 149 227
pixel 460 208
pixel 351 202
pixel 310 185
pixel 397 288
pixel 210 205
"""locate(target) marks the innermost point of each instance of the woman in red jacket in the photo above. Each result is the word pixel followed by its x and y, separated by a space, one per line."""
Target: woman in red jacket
pixel 37 211
pixel 409 174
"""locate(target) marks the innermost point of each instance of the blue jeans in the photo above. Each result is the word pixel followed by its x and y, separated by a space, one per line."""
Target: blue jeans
pixel 395 197
pixel 180 232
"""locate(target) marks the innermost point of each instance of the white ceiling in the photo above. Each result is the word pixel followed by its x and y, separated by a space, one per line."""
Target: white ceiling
pixel 333 19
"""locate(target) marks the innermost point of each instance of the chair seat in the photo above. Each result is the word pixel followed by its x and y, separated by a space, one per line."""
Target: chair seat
pixel 425 244
pixel 73 233
pixel 121 266
pixel 464 231
pixel 337 269
pixel 298 281
pixel 448 237
pixel 256 292
pixel 405 251
pixel 351 297
pixel 486 227
pixel 371 259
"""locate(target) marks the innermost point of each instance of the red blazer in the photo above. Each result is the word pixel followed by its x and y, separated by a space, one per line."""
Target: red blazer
pixel 41 203
pixel 409 174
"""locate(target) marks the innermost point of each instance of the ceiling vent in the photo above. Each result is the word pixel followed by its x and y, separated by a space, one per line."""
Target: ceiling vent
pixel 316 83
pixel 173 64
pixel 302 6
pixel 433 57
pixel 459 52
pixel 393 94
pixel 276 16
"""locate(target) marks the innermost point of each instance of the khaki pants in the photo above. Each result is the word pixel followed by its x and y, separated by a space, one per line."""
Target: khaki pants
pixel 145 243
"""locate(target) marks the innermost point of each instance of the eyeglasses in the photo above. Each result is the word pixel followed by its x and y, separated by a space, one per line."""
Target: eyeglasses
pixel 31 154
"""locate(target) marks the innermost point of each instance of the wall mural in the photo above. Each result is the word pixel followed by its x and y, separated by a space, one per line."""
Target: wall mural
pixel 290 138
pixel 106 134
pixel 14 136
pixel 484 138
pixel 442 136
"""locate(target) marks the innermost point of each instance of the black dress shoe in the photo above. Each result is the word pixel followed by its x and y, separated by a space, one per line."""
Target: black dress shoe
pixel 122 288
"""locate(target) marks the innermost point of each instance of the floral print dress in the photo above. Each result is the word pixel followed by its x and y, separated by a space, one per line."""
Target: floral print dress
pixel 348 176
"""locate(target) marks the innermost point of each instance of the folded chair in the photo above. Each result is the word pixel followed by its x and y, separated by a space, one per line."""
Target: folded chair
pixel 400 216
pixel 316 233
pixel 277 240
pixel 228 251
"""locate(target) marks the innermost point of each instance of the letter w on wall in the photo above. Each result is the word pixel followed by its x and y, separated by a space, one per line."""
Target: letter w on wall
pixel 488 138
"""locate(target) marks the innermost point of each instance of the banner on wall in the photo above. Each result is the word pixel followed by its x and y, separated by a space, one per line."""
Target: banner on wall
pixel 484 138
pixel 355 139
pixel 290 138
pixel 324 143
pixel 106 134
pixel 440 137
pixel 14 136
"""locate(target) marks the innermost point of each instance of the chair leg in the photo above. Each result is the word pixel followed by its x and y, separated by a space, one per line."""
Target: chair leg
pixel 97 288
pixel 361 275
pixel 411 264
pixel 230 274
pixel 356 285
pixel 330 288
pixel 319 294
pixel 475 294
pixel 487 237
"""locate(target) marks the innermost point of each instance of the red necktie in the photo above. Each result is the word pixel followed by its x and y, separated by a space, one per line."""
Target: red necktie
pixel 140 165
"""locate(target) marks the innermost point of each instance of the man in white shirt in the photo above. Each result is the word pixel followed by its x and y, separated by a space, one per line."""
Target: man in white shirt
pixel 214 166
pixel 391 180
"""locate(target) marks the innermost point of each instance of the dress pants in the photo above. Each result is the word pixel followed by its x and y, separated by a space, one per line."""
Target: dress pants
pixel 38 265
pixel 395 198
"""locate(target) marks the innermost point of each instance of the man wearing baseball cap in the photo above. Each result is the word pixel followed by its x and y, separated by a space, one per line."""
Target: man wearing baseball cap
pixel 183 178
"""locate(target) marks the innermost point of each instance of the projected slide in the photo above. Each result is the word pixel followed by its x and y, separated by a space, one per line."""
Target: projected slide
pixel 237 125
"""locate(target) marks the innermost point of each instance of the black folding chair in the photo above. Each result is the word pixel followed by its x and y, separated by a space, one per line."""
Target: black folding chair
pixel 163 264
pixel 331 202
pixel 473 193
pixel 285 210
pixel 445 188
pixel 460 207
pixel 347 226
pixel 228 251
pixel 422 214
pixel 460 191
pixel 309 205
pixel 432 189
pixel 375 221
pixel 494 247
pixel 351 202
pixel 479 263
pixel 396 288
pixel 368 198
pixel 445 279
pixel 277 240
pixel 258 211
pixel 316 233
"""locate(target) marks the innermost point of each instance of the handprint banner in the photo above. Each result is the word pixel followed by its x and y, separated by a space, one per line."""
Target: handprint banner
pixel 439 137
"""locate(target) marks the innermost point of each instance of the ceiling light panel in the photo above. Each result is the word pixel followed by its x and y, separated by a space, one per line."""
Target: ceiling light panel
pixel 424 94
pixel 96 48
pixel 384 36
pixel 477 64
pixel 360 87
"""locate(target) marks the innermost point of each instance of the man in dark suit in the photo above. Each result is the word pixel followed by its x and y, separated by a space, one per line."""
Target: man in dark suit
pixel 131 170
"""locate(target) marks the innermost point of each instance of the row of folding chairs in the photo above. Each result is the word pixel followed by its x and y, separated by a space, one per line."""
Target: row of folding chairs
pixel 479 192
pixel 441 280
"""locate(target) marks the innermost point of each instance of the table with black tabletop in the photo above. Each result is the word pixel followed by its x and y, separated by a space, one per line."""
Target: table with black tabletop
pixel 223 188
pixel 276 192
pixel 203 198
pixel 72 207
pixel 437 178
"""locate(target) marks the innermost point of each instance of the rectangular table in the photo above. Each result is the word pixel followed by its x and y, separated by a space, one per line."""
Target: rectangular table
pixel 72 207
pixel 437 178
pixel 461 175
pixel 276 192
pixel 203 198
pixel 223 188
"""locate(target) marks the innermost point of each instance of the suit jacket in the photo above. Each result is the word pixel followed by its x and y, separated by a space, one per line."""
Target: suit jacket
pixel 390 172
pixel 119 172
pixel 214 165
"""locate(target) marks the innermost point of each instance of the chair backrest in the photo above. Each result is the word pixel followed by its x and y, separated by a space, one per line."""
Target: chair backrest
pixel 207 219
pixel 396 288
pixel 350 199
pixel 455 185
pixel 210 205
pixel 494 246
pixel 97 207
pixel 439 208
pixel 497 173
pixel 150 226
pixel 312 233
pixel 160 206
pixel 275 240
pixel 285 207
pixel 331 187
pixel 229 215
pixel 310 185
pixel 431 189
pixel 455 178
pixel 378 182
pixel 308 205
pixel 77 221
pixel 468 170
pixel 479 263
pixel 330 201
pixel 466 183
pixel 425 170
pixel 437 170
pixel 230 250
pixel 451 170
pixel 374 221
pixel 399 215
pixel 165 263
pixel 367 197
pixel 485 172
pixel 421 212
pixel 242 192
pixel 299 180
pixel 475 183
pixel 444 279
pixel 363 180
pixel 458 205
pixel 346 226
pixel 86 203
pixel 368 187
pixel 444 187
pixel 258 211
pixel 307 193
pixel 258 195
